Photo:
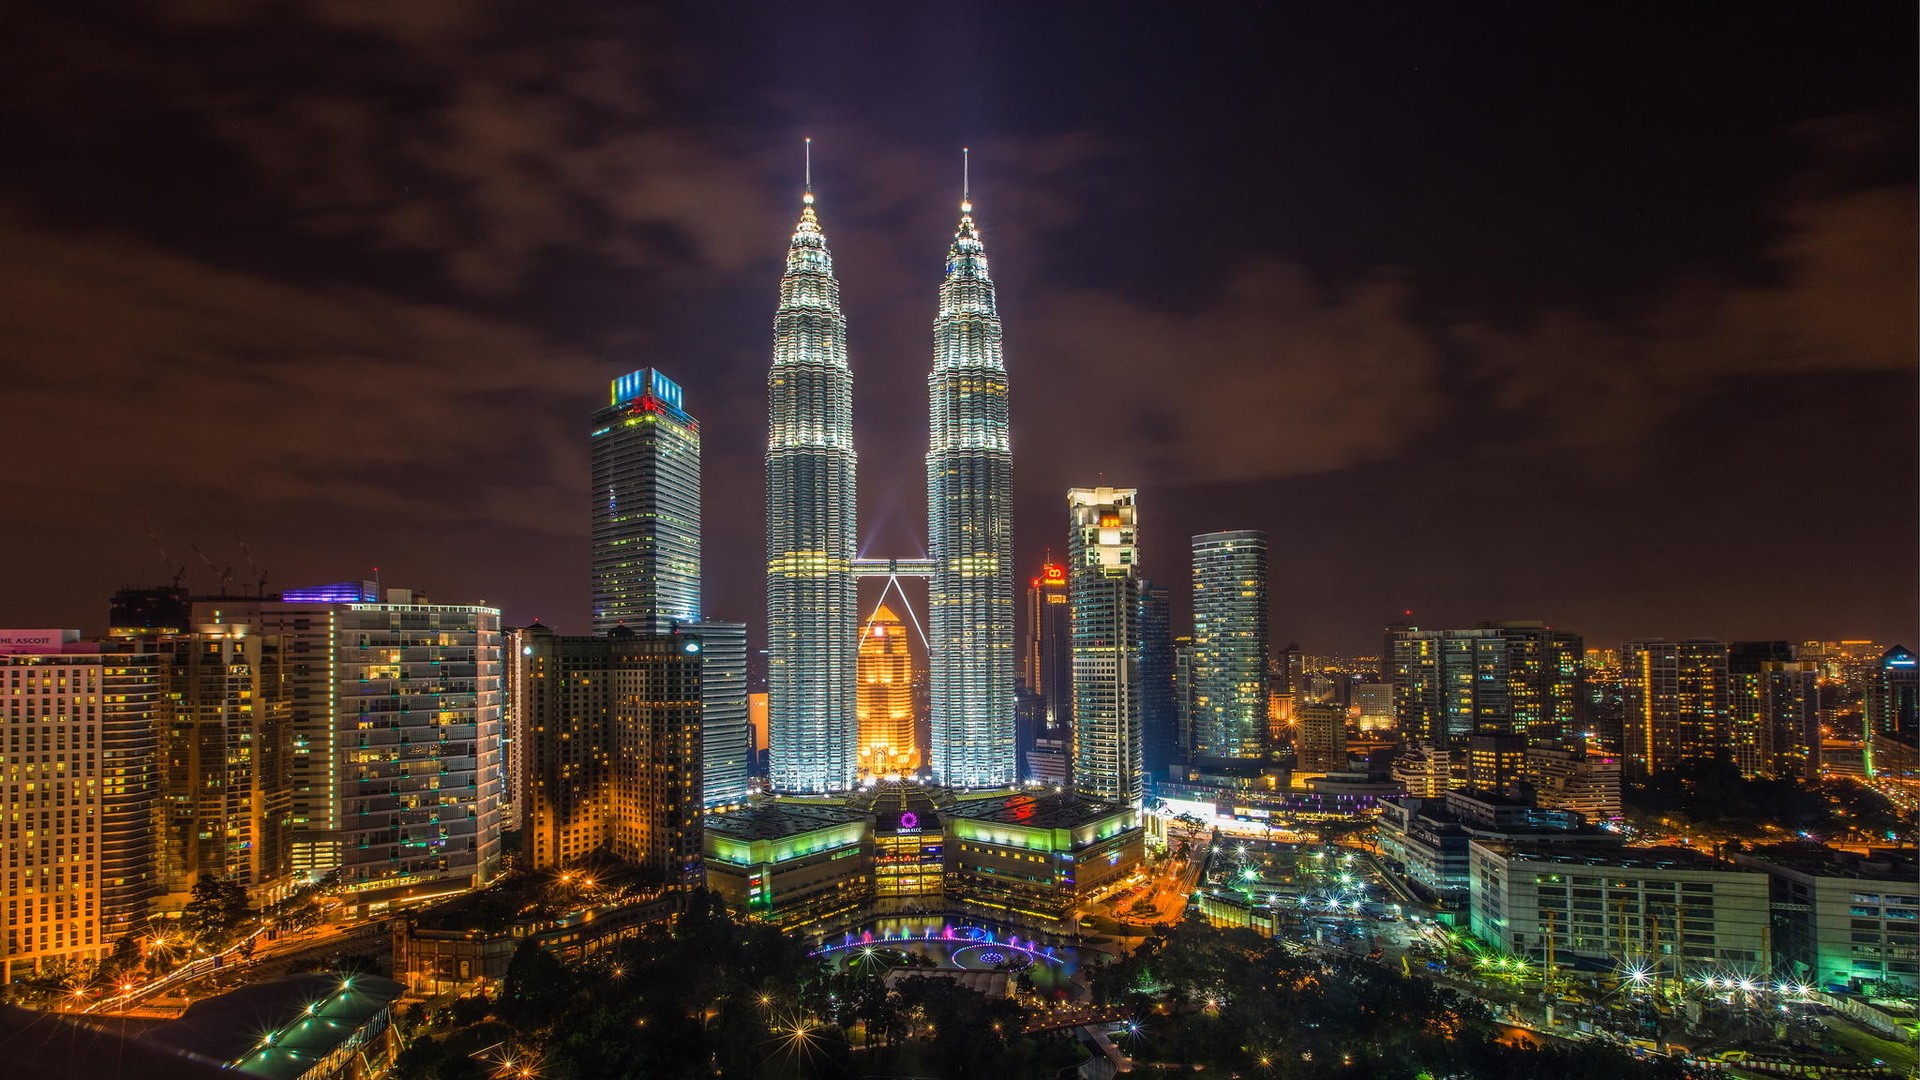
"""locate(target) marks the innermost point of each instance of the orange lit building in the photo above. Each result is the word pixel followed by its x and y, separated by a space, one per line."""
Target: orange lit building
pixel 886 697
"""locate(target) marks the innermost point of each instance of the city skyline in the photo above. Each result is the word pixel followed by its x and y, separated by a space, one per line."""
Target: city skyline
pixel 1645 319
pixel 518 518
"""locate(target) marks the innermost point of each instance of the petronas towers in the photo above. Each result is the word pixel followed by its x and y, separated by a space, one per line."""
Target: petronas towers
pixel 812 600
pixel 813 607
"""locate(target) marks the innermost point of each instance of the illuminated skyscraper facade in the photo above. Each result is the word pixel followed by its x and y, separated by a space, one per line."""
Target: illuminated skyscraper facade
pixel 886 697
pixel 1507 678
pixel 397 765
pixel 1159 720
pixel 610 751
pixel 1773 710
pixel 646 508
pixel 1676 702
pixel 1046 655
pixel 225 734
pixel 1893 715
pixel 812 606
pixel 1103 571
pixel 970 528
pixel 1230 646
pixel 79 725
pixel 646 559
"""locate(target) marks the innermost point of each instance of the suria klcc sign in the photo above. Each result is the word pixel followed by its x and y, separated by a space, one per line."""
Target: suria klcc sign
pixel 38 641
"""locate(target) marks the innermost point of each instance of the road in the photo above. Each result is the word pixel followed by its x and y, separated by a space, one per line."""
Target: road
pixel 270 958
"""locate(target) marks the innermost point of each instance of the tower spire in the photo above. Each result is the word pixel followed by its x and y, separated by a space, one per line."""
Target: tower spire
pixel 966 180
pixel 808 196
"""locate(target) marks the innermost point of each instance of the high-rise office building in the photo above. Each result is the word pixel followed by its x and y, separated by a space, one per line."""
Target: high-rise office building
pixel 225 736
pixel 886 697
pixel 970 528
pixel 78 796
pixel 1046 655
pixel 1320 737
pixel 646 507
pixel 1288 670
pixel 1893 694
pixel 1507 678
pixel 310 627
pixel 726 754
pixel 1104 582
pixel 1183 695
pixel 1791 692
pixel 813 616
pixel 397 766
pixel 611 749
pixel 1748 731
pixel 1230 647
pixel 1375 702
pixel 1892 721
pixel 646 558
pixel 1159 721
pixel 1675 695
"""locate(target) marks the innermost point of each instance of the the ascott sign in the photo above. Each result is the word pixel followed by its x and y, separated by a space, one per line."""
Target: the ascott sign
pixel 36 641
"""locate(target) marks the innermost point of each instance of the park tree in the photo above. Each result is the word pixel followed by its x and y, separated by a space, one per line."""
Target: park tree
pixel 217 907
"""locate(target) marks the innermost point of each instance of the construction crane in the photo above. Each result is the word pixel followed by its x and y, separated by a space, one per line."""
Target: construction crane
pixel 260 585
pixel 179 571
pixel 224 575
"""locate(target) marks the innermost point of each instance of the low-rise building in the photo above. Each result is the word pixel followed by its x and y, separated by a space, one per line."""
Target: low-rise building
pixel 791 862
pixel 474 938
pixel 1842 919
pixel 302 1027
pixel 1586 783
pixel 1425 840
pixel 1663 912
pixel 909 842
pixel 1038 854
pixel 1430 770
pixel 1029 855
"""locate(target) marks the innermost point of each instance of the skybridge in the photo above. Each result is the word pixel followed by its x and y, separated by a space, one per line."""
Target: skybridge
pixel 892 568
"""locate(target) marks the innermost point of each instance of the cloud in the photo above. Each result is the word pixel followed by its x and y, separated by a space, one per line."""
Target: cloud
pixel 1839 296
pixel 1272 377
pixel 447 130
pixel 157 380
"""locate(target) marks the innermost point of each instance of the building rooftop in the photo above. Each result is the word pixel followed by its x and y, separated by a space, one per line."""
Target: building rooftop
pixel 897 804
pixel 55 1046
pixel 777 819
pixel 277 1029
pixel 1036 809
pixel 1601 856
pixel 1879 864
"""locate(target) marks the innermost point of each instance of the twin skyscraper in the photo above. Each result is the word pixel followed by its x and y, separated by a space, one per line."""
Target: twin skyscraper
pixel 813 613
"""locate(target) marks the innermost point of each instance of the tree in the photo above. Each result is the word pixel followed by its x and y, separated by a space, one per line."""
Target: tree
pixel 217 906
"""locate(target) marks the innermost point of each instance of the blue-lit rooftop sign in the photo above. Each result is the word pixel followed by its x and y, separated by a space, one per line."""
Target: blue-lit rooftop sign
pixel 340 592
pixel 646 381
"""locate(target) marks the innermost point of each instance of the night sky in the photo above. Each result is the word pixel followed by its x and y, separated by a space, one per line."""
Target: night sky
pixel 1600 315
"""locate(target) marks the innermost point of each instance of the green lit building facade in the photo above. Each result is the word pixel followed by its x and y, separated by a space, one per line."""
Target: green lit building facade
pixel 1024 856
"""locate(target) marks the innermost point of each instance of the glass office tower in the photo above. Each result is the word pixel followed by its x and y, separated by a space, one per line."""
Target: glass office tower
pixel 646 508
